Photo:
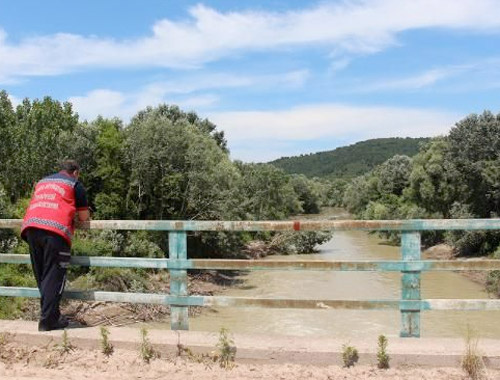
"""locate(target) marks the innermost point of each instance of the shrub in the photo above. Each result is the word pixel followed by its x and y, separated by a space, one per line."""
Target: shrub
pixel 146 349
pixel 65 346
pixel 382 356
pixel 472 362
pixel 226 350
pixel 106 347
pixel 493 282
pixel 349 356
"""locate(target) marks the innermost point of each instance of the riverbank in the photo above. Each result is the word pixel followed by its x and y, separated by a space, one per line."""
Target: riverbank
pixel 257 356
pixel 446 252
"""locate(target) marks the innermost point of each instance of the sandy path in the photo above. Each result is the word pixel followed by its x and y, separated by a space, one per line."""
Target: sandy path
pixel 24 362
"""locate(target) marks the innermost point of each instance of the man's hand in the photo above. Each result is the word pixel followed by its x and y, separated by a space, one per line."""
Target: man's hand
pixel 83 216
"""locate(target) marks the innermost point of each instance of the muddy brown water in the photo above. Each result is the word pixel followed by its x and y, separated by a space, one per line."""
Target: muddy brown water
pixel 347 245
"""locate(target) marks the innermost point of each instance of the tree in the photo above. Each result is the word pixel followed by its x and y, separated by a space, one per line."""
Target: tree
pixel 435 182
pixel 335 190
pixel 474 149
pixel 7 125
pixel 360 192
pixel 308 192
pixel 266 192
pixel 99 148
pixel 37 140
pixel 178 170
pixel 109 182
pixel 175 115
pixel 393 175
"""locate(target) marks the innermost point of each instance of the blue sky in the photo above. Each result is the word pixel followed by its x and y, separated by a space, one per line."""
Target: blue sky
pixel 281 78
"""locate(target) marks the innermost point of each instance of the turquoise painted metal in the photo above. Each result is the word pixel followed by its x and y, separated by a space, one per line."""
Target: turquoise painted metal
pixel 276 265
pixel 177 244
pixel 410 284
pixel 298 225
pixel 281 303
pixel 411 265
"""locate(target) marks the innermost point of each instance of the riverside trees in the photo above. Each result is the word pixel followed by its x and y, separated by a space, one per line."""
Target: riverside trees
pixel 454 176
pixel 165 164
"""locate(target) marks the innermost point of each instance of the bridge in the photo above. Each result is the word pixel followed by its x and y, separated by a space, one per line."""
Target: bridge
pixel 411 265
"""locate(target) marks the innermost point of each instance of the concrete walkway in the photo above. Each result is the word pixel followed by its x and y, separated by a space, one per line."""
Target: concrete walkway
pixel 437 352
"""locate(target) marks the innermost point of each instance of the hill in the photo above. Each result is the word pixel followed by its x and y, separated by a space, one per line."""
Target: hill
pixel 350 161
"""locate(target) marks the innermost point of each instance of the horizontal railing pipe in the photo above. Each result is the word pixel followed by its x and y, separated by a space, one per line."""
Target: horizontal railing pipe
pixel 277 303
pixel 319 265
pixel 298 225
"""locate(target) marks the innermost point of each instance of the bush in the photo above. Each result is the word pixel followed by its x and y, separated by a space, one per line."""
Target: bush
pixel 299 242
pixel 138 244
pixel 382 356
pixel 146 349
pixel 472 362
pixel 226 350
pixel 106 347
pixel 349 356
pixel 112 280
pixel 493 283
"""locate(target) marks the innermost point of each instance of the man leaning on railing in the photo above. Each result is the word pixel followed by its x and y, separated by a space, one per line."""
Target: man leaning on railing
pixel 48 228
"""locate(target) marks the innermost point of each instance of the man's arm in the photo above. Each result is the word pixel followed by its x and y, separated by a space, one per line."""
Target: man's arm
pixel 82 207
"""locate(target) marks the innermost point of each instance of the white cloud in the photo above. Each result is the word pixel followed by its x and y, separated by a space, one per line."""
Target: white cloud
pixel 102 102
pixel 427 78
pixel 265 135
pixel 250 131
pixel 110 104
pixel 14 100
pixel 208 35
pixel 339 64
pixel 211 81
pixel 187 93
pixel 488 68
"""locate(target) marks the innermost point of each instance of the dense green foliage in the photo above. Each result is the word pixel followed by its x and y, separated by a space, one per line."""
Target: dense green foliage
pixel 165 164
pixel 350 161
pixel 454 176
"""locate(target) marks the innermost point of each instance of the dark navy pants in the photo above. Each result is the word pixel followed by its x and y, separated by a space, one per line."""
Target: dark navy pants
pixel 50 255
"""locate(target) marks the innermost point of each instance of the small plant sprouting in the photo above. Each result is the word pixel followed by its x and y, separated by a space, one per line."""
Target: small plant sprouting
pixel 226 350
pixel 382 356
pixel 65 346
pixel 4 338
pixel 349 355
pixel 147 352
pixel 106 347
pixel 472 362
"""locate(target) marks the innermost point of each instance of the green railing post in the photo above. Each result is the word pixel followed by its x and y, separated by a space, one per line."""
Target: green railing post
pixel 410 251
pixel 177 246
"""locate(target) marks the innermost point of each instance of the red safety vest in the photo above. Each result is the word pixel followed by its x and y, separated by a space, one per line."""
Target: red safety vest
pixel 52 206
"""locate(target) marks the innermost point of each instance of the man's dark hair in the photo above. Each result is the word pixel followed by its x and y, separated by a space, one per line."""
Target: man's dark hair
pixel 70 166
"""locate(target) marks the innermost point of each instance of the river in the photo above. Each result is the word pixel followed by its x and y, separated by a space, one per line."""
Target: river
pixel 347 245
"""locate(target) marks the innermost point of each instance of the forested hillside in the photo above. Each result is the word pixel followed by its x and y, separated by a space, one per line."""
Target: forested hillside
pixel 350 161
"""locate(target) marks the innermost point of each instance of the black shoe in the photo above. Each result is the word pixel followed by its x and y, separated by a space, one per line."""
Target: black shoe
pixel 61 323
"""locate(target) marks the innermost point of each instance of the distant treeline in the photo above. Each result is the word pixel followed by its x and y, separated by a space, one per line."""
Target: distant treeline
pixel 350 161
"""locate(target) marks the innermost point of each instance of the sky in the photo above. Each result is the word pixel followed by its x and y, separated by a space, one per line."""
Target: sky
pixel 279 77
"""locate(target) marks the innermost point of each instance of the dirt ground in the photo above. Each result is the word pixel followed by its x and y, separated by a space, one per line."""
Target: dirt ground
pixel 28 362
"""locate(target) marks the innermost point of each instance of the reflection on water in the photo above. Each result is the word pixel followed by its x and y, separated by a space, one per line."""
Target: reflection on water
pixel 347 245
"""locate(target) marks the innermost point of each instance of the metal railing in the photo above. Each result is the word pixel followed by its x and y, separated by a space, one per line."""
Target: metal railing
pixel 411 265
